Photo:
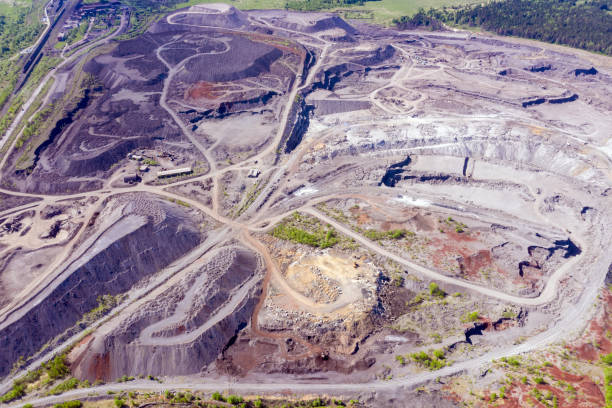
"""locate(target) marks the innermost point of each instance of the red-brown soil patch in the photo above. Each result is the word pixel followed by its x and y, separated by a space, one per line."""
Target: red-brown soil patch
pixel 84 340
pixel 361 216
pixel 595 342
pixel 388 226
pixel 587 351
pixel 101 366
pixel 460 236
pixel 471 264
pixel 588 393
pixel 592 393
pixel 204 90
pixel 559 374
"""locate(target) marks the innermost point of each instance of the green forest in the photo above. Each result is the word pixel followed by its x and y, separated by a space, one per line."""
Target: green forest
pixel 586 25
pixel 19 28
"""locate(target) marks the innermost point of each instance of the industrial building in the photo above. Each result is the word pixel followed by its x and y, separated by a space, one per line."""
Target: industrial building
pixel 174 172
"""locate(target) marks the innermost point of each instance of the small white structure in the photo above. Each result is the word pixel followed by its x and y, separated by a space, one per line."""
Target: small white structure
pixel 254 173
pixel 136 157
pixel 174 172
pixel 144 168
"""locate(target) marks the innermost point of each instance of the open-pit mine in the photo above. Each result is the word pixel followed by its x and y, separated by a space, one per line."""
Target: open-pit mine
pixel 293 205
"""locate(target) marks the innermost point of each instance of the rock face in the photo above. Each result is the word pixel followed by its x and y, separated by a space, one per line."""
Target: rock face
pixel 145 236
pixel 182 330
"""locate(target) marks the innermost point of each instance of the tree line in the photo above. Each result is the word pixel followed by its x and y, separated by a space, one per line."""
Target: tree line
pixel 580 24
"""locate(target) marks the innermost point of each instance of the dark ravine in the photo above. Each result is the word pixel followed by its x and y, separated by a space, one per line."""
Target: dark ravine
pixel 301 125
pixel 582 71
pixel 394 172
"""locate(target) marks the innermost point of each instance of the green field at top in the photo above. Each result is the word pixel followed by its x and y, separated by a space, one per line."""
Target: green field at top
pixel 382 11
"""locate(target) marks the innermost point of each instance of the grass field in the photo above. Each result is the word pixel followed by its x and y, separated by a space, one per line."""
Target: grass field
pixel 382 11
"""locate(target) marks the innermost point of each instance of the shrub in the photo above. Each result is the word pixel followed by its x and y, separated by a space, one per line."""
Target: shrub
pixel 434 362
pixel 183 398
pixel 67 385
pixel 234 399
pixel 217 396
pixel 397 280
pixel 57 368
pixel 317 403
pixel 30 377
pixel 119 403
pixel 69 404
pixel 607 359
pixel 16 392
pixel 376 235
pixel 508 314
pixel 434 290
pixel 539 380
pixel 472 317
pixel 513 361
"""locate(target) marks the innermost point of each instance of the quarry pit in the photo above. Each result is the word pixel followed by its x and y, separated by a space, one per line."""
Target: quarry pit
pixel 354 194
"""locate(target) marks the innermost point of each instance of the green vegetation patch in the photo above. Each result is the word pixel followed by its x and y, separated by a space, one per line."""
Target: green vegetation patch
pixel 20 26
pixel 376 235
pixel 16 392
pixel 470 317
pixel 106 303
pixel 607 360
pixel 67 385
pixel 57 368
pixel 432 361
pixel 293 229
pixel 435 291
pixel 69 404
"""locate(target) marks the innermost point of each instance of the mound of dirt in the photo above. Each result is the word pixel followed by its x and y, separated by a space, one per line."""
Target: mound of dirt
pixel 141 234
pixel 212 15
pixel 244 59
pixel 306 22
pixel 182 330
